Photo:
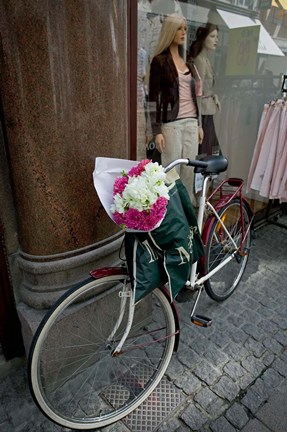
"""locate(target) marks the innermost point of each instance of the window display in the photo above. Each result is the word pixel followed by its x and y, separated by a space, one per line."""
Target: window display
pixel 243 71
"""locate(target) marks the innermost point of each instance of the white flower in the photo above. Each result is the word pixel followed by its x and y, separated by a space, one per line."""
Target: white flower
pixel 143 190
pixel 138 194
pixel 118 204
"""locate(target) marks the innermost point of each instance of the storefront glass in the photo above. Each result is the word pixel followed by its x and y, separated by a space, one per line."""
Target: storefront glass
pixel 248 65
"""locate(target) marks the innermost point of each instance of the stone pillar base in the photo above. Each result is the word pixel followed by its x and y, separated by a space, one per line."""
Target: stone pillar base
pixel 45 279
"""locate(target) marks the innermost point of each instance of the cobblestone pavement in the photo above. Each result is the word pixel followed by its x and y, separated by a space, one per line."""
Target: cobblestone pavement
pixel 232 376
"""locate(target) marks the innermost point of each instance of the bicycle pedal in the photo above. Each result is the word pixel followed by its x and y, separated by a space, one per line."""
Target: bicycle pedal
pixel 201 321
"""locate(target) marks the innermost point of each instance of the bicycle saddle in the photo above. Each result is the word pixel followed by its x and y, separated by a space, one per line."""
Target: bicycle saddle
pixel 215 165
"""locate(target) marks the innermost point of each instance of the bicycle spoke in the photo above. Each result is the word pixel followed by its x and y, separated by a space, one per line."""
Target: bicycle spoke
pixel 220 246
pixel 80 380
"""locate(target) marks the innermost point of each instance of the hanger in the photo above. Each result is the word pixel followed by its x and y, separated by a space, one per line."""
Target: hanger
pixel 284 84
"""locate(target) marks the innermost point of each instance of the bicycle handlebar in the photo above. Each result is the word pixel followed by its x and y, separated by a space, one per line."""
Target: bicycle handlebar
pixel 189 162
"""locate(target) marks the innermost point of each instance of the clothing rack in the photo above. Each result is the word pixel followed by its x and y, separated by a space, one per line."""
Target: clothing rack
pixel 283 210
pixel 267 173
pixel 272 218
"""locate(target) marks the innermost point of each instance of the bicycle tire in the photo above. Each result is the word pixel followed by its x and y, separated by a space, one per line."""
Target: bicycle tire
pixel 218 246
pixel 74 379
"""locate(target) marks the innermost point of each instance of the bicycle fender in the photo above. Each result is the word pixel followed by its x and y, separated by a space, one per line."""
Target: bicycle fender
pixel 108 271
pixel 112 271
pixel 165 291
pixel 224 201
pixel 249 209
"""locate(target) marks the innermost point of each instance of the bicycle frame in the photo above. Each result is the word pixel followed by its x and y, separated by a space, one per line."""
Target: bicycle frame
pixel 205 203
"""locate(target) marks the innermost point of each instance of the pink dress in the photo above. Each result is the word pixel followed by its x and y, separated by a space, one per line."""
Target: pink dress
pixel 272 143
pixel 266 114
pixel 268 146
pixel 281 157
pixel 282 193
pixel 268 173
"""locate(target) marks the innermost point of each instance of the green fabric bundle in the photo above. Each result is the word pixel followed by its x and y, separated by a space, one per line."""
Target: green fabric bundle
pixel 166 253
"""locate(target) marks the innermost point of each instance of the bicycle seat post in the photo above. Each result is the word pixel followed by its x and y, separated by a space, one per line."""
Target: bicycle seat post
pixel 200 215
pixel 202 202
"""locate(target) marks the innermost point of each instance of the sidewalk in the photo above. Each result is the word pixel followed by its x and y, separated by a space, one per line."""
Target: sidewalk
pixel 229 377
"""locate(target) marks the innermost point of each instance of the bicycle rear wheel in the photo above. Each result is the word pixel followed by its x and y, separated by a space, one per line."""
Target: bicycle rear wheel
pixel 219 246
pixel 73 377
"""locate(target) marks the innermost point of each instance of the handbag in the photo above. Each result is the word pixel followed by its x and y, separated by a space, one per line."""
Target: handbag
pixel 152 152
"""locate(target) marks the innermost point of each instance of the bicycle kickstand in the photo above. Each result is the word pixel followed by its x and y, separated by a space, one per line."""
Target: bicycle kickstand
pixel 199 320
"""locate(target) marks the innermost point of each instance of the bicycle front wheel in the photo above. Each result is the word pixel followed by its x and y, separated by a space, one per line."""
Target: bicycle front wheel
pixel 219 246
pixel 73 376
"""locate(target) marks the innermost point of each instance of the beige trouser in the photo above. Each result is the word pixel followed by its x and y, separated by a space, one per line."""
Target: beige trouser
pixel 181 141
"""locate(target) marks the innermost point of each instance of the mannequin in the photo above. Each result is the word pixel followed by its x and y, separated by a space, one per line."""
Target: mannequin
pixel 206 41
pixel 175 117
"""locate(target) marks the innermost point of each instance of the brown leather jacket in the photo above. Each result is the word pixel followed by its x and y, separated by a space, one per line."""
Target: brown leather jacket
pixel 164 91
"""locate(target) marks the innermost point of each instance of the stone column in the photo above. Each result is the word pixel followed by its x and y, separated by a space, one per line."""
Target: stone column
pixel 64 91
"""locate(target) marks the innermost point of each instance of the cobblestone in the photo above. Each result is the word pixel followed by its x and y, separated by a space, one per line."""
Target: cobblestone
pixel 237 335
pixel 188 383
pixel 234 370
pixel 272 345
pixel 261 389
pixel 271 378
pixel 252 401
pixel 236 351
pixel 175 369
pixel 281 321
pixel 281 367
pixel 221 339
pixel 236 320
pixel 268 326
pixel 194 418
pixel 268 358
pixel 208 400
pixel 245 381
pixel 207 373
pixel 256 348
pixel 253 331
pixel 226 373
pixel 237 416
pixel 215 356
pixel 253 365
pixel 188 357
pixel 281 337
pixel 222 425
pixel 226 388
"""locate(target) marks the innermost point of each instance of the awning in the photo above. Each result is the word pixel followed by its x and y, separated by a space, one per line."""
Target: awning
pixel 283 3
pixel 266 44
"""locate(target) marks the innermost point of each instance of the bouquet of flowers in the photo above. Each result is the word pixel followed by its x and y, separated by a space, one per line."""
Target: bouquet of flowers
pixel 140 197
pixel 139 200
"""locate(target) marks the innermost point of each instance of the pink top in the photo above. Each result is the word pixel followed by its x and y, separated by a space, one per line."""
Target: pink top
pixel 187 107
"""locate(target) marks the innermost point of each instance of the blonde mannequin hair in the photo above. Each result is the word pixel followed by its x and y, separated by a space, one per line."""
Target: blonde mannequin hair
pixel 170 25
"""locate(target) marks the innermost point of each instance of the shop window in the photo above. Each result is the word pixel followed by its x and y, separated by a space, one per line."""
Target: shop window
pixel 246 3
pixel 247 66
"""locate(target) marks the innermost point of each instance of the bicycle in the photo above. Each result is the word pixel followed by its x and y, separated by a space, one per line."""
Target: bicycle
pixel 96 356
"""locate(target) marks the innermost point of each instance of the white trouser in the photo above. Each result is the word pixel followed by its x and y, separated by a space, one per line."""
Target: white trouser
pixel 181 141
